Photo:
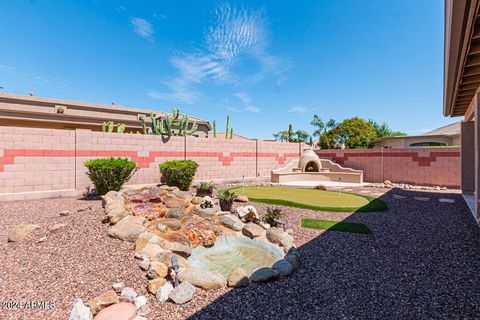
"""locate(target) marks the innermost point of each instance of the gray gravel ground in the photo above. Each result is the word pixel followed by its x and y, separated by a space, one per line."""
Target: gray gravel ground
pixel 422 261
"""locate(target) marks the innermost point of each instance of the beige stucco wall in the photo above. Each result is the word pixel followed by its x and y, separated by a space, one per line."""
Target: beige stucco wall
pixel 405 142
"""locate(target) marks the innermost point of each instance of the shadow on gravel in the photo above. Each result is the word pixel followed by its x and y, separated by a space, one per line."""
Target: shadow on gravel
pixel 422 261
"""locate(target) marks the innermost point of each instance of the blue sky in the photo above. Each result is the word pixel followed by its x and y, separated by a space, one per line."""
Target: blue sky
pixel 266 63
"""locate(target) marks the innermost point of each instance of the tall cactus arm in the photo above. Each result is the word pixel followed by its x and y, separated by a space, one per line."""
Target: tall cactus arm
pixel 104 126
pixel 193 129
pixel 153 124
pixel 226 129
pixel 111 126
pixel 144 125
pixel 214 128
pixel 231 133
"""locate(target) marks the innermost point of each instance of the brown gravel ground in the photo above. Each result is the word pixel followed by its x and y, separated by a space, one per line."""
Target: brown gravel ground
pixel 422 261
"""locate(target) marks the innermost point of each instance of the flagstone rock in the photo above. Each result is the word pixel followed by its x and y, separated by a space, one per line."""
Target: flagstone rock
pixel 21 231
pixel 118 311
pixel 172 201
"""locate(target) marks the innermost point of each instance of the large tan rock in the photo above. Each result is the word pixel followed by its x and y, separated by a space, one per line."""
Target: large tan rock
pixel 115 212
pixel 103 300
pixel 155 284
pixel 157 270
pixel 166 258
pixel 21 231
pixel 128 229
pixel 202 278
pixel 238 278
pixel 253 230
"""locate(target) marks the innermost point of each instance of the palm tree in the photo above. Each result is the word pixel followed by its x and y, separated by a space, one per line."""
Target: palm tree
pixel 322 131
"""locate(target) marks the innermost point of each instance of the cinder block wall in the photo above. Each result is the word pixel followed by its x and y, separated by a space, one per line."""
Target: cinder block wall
pixel 420 166
pixel 42 163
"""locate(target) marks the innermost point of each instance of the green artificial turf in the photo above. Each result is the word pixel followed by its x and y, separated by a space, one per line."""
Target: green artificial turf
pixel 312 199
pixel 335 226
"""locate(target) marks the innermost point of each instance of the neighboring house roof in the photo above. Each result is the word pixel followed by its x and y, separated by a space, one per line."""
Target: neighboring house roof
pixel 462 56
pixel 448 130
pixel 15 106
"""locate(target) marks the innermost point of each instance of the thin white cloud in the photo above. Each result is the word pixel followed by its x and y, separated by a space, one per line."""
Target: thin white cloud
pixel 247 102
pixel 143 28
pixel 5 68
pixel 235 32
pixel 298 109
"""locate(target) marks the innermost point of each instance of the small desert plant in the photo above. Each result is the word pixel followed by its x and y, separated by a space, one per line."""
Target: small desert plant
pixel 204 189
pixel 89 193
pixel 272 214
pixel 109 174
pixel 178 173
pixel 226 199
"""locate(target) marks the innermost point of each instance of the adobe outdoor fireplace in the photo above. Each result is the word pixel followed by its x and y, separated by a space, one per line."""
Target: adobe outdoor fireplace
pixel 311 168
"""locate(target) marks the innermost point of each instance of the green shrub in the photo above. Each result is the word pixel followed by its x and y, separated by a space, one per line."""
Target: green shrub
pixel 109 174
pixel 178 173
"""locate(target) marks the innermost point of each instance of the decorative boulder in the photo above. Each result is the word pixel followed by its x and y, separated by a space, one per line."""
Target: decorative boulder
pixel 241 199
pixel 157 270
pixel 128 294
pixel 183 293
pixel 238 278
pixel 129 228
pixel 103 300
pixel 248 213
pixel 115 212
pixel 202 278
pixel 80 311
pixel 163 292
pixel 264 274
pixel 283 267
pixel 253 230
pixel 232 222
pixel 21 231
pixel 280 237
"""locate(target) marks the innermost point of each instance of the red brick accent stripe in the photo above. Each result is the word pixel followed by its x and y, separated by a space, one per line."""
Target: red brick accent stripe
pixel 422 161
pixel 9 155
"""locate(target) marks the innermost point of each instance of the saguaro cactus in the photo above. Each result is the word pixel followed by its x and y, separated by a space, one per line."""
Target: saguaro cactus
pixel 214 128
pixel 226 129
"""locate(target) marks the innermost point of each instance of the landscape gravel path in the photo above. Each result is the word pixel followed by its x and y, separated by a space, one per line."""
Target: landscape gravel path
pixel 421 261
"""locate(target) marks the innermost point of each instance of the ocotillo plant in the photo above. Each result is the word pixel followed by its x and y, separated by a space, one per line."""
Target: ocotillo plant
pixel 226 129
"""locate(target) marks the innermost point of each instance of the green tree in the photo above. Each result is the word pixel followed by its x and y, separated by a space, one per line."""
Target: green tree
pixel 354 133
pixel 324 132
pixel 291 136
pixel 383 130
